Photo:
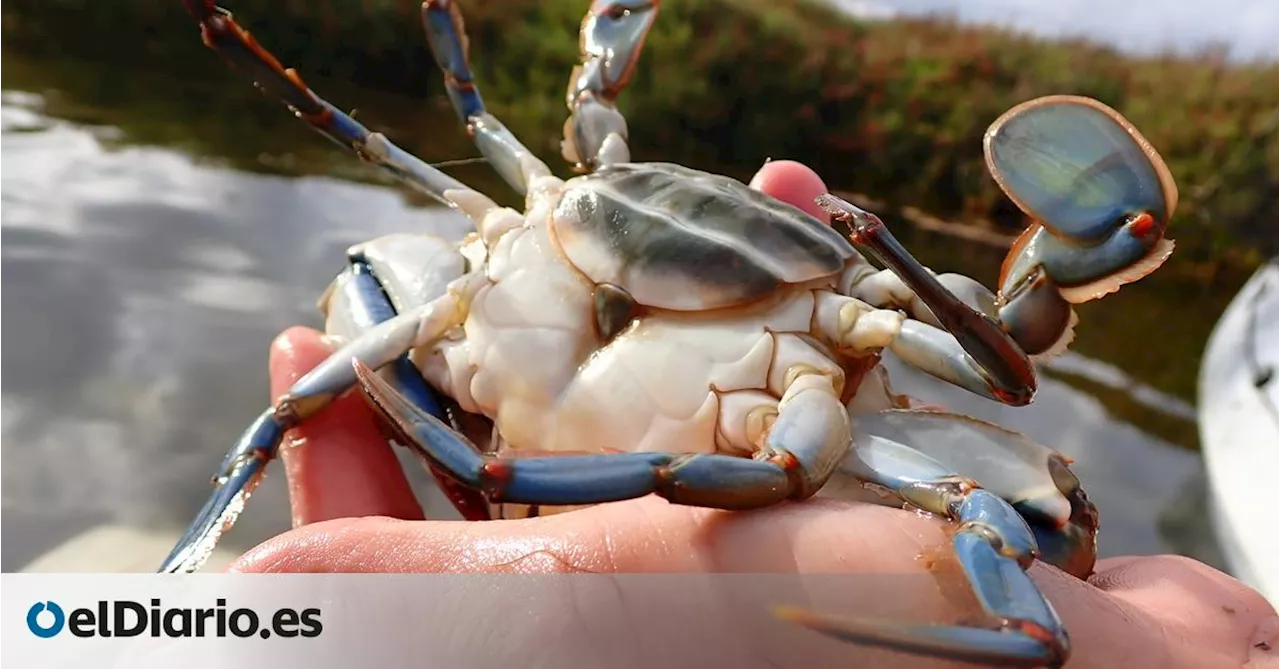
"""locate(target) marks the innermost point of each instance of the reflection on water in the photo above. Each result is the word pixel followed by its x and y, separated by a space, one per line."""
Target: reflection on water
pixel 144 289
pixel 143 292
pixel 1132 476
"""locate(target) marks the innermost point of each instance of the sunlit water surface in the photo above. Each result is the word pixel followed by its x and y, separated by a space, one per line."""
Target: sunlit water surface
pixel 143 289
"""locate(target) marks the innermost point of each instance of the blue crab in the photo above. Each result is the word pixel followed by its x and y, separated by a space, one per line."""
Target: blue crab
pixel 647 328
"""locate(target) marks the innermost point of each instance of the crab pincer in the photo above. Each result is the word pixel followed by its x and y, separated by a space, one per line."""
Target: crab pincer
pixel 1100 198
pixel 998 358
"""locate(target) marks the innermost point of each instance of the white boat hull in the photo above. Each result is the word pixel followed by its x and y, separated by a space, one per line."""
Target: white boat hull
pixel 1240 434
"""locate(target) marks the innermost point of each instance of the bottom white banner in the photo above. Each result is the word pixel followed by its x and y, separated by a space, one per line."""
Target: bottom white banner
pixel 323 621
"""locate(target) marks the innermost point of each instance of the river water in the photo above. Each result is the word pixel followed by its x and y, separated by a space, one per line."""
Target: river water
pixel 145 284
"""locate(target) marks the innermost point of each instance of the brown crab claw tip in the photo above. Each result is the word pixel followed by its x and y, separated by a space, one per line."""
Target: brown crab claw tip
pixel 411 425
pixel 404 415
pixel 382 396
pixel 368 378
pixel 845 211
pixel 363 372
pixel 830 204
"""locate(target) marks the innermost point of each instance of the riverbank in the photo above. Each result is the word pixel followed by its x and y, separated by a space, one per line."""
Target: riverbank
pixel 894 109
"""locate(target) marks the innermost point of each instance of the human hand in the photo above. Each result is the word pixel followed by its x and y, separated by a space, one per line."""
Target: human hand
pixel 354 511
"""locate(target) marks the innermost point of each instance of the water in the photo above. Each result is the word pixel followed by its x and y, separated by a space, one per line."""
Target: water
pixel 145 284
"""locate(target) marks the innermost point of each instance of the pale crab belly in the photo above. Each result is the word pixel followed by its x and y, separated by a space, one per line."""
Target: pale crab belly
pixel 526 335
pixel 681 383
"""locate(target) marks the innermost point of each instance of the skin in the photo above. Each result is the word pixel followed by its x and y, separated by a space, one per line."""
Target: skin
pixel 354 511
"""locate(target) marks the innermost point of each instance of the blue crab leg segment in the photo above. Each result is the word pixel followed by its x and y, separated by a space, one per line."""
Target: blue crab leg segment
pixel 447 37
pixel 376 347
pixel 1101 196
pixel 994 546
pixel 240 472
pixel 808 441
pixel 610 42
pixel 242 468
pixel 1008 374
pixel 368 306
pixel 222 34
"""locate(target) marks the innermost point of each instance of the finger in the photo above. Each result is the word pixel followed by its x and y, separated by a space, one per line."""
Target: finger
pixel 339 464
pixel 793 183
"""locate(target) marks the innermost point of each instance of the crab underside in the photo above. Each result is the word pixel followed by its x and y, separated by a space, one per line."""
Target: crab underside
pixel 647 328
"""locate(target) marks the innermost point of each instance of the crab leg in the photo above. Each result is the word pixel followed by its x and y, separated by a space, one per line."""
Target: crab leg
pixel 222 34
pixel 610 40
pixel 994 545
pixel 885 289
pixel 855 325
pixel 1032 321
pixel 447 37
pixel 244 465
pixel 1036 480
pixel 990 362
pixel 377 347
pixel 805 446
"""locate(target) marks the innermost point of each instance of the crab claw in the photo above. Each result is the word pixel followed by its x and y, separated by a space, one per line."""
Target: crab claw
pixel 610 39
pixel 614 31
pixel 1102 199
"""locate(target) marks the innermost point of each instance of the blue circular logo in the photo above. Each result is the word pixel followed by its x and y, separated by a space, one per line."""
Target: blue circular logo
pixel 45 631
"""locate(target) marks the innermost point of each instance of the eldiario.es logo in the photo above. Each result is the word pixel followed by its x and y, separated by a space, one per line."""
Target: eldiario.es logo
pixel 125 618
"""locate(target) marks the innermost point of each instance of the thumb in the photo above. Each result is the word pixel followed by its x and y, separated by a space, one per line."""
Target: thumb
pixel 793 183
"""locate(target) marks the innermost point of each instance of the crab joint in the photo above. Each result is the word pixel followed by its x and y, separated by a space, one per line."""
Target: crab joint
pixel 794 373
pixel 864 328
pixel 979 512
